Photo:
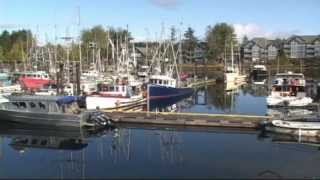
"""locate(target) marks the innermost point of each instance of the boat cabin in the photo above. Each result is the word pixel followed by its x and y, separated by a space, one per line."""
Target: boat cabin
pixel 118 90
pixel 42 104
pixel 29 74
pixel 289 84
pixel 162 80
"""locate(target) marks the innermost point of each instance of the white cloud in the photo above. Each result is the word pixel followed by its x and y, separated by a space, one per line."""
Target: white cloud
pixel 166 4
pixel 252 30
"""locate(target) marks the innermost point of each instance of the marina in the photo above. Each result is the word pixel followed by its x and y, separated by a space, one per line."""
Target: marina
pixel 159 89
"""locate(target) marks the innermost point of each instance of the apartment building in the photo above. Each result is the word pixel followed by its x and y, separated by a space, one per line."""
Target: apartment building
pixel 302 47
pixel 262 49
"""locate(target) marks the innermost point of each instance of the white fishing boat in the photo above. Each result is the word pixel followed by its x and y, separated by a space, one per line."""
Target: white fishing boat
pixel 288 89
pixel 114 95
pixel 295 127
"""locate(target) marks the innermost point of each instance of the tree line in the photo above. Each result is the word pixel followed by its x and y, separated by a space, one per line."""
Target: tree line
pixel 15 46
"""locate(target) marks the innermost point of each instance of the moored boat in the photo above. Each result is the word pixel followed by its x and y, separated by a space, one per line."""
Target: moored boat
pixel 164 87
pixel 113 95
pixel 259 71
pixel 288 89
pixel 232 74
pixel 49 110
pixel 33 80
pixel 300 128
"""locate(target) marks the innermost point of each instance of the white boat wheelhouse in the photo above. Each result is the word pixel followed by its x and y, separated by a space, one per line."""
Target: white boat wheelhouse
pixel 163 80
pixel 289 84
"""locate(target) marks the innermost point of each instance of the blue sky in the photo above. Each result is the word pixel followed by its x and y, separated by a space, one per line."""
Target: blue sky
pixel 269 18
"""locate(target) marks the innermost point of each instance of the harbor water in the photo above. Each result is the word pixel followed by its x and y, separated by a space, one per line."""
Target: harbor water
pixel 131 151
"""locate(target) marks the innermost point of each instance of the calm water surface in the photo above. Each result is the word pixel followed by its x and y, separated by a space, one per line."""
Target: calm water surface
pixel 153 152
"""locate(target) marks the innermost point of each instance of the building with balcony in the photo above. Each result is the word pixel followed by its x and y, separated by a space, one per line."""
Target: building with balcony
pixel 260 50
pixel 302 46
pixel 295 47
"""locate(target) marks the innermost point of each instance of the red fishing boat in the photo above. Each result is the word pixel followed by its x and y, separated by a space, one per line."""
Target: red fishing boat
pixel 33 80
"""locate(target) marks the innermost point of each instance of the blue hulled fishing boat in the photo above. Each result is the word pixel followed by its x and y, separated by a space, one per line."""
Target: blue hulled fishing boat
pixel 164 87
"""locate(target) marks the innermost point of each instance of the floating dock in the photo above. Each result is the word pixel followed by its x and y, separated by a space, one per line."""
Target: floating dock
pixel 187 119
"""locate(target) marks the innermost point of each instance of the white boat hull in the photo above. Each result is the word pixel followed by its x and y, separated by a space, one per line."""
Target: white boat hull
pixel 295 128
pixel 94 102
pixel 234 77
pixel 289 101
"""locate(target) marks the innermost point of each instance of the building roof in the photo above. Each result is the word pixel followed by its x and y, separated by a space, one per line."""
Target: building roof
pixel 305 38
pixel 263 43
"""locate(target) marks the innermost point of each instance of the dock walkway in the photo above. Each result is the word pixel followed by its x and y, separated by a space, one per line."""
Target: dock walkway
pixel 187 119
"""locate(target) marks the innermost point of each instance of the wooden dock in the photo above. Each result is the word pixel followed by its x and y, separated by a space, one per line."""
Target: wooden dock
pixel 187 119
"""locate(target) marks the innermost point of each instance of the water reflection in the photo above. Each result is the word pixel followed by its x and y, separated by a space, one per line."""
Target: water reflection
pixel 153 151
pixel 60 152
pixel 287 139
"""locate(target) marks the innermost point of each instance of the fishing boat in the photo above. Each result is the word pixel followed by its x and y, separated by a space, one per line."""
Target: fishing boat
pixel 259 71
pixel 49 110
pixel 114 94
pixel 300 128
pixel 162 82
pixel 288 89
pixel 162 87
pixel 33 80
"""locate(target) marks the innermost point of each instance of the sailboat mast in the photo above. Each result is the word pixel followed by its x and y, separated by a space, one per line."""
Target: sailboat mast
pixel 232 55
pixel 80 54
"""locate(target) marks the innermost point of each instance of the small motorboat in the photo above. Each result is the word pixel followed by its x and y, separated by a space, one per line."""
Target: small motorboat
pixel 299 128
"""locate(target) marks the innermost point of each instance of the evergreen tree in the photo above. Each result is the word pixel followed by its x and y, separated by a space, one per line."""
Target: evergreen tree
pixel 189 44
pixel 218 39
pixel 173 34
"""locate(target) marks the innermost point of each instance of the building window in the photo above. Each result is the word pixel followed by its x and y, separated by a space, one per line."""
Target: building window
pixel 255 53
pixel 297 50
pixel 317 48
pixel 272 52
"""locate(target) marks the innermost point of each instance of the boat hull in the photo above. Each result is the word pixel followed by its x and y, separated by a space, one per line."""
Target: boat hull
pixel 156 92
pixel 234 78
pixel 31 83
pixel 92 102
pixel 50 119
pixel 288 101
pixel 295 128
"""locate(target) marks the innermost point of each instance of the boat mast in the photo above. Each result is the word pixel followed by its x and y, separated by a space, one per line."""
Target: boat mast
pixel 232 56
pixel 225 55
pixel 80 54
